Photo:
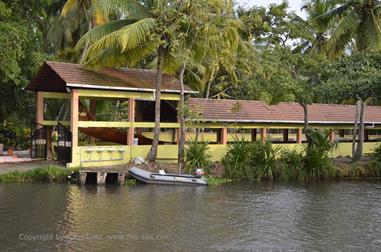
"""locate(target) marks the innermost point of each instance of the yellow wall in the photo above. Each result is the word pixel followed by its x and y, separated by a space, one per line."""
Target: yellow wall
pixel 95 156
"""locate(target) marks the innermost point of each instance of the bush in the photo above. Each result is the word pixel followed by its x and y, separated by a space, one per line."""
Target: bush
pixel 246 160
pixel 237 160
pixel 376 162
pixel 196 156
pixel 290 166
pixel 264 159
pixel 317 163
pixel 258 160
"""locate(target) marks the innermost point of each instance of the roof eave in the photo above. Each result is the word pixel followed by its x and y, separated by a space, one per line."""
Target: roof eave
pixel 89 86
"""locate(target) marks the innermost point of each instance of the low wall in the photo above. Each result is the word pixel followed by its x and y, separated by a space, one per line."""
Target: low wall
pixel 95 156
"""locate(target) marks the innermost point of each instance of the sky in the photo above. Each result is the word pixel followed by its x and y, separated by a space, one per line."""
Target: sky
pixel 295 5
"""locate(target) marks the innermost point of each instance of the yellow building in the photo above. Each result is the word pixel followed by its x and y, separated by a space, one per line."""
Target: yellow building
pixel 106 117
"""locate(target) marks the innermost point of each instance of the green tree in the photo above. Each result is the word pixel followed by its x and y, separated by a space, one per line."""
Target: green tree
pixel 355 26
pixel 21 51
pixel 350 80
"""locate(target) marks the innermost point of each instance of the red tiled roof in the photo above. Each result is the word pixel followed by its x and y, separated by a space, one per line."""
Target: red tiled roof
pixel 56 76
pixel 257 111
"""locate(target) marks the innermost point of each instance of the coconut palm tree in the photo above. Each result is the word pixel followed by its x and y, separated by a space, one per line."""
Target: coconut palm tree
pixel 355 25
pixel 127 41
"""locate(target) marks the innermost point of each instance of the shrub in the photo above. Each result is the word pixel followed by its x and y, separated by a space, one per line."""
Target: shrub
pixel 316 162
pixel 246 160
pixel 196 156
pixel 376 162
pixel 264 159
pixel 237 160
pixel 290 165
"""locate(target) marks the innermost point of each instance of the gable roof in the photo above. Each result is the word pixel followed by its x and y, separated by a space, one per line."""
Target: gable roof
pixel 259 112
pixel 57 76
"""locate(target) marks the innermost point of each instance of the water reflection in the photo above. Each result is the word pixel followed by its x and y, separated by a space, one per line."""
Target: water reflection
pixel 239 216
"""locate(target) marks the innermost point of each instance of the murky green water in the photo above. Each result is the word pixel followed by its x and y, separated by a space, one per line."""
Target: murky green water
pixel 343 216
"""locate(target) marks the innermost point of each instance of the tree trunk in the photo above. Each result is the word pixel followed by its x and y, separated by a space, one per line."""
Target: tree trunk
pixel 182 120
pixel 152 154
pixel 355 133
pixel 359 149
pixel 306 125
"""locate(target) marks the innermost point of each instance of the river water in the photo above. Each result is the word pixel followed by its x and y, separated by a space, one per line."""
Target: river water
pixel 324 216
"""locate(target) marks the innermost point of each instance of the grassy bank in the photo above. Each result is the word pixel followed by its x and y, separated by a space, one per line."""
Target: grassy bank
pixel 42 174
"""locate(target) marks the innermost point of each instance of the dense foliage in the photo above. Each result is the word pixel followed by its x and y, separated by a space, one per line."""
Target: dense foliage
pixel 268 54
pixel 263 161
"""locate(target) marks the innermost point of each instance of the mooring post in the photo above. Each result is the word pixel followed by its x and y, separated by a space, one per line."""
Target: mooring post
pixel 121 177
pixel 101 178
pixel 82 178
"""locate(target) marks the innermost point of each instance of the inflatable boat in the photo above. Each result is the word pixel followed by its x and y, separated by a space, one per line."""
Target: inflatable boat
pixel 165 178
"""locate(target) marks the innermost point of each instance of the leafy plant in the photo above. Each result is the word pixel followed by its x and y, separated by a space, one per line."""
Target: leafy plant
pixel 264 159
pixel 316 162
pixel 290 166
pixel 196 155
pixel 237 160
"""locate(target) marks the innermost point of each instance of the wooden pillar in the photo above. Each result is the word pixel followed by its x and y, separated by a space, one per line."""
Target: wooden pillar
pixel 366 135
pixel 131 119
pixel 49 153
pixel 74 117
pixel 253 135
pixel 285 135
pixel 224 135
pixel 342 133
pixel 263 134
pixel 93 116
pixel 299 136
pixel 331 136
pixel 39 109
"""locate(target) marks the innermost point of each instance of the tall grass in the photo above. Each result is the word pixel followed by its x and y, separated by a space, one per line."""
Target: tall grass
pixel 43 174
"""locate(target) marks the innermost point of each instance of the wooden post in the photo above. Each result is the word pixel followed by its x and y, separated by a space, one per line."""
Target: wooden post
pixel 93 116
pixel 253 135
pixel 131 119
pixel 39 109
pixel 74 117
pixel 366 135
pixel 263 134
pixel 285 135
pixel 49 153
pixel 331 136
pixel 342 133
pixel 224 136
pixel 299 136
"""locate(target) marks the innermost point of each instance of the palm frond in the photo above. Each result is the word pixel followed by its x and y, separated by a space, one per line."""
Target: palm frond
pixel 339 37
pixel 102 30
pixel 69 6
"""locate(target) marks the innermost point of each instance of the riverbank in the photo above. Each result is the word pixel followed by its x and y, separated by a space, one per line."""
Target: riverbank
pixel 50 173
pixel 43 171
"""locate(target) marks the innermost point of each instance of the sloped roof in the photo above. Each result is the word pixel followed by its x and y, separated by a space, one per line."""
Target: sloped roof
pixel 256 111
pixel 57 76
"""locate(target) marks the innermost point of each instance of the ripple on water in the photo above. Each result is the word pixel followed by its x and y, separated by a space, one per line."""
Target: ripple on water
pixel 269 216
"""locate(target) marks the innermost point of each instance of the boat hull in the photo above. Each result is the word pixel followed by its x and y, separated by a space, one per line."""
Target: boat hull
pixel 165 179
